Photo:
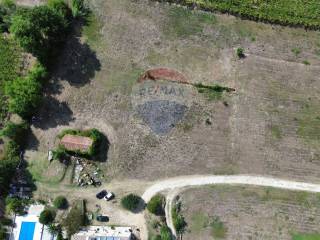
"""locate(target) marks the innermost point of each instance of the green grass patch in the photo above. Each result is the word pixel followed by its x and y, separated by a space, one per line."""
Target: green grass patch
pixel 184 23
pixel 296 51
pixel 290 12
pixel 45 172
pixel 199 221
pixel 214 92
pixel 91 30
pixel 309 124
pixel 218 229
pixel 276 132
pixel 313 236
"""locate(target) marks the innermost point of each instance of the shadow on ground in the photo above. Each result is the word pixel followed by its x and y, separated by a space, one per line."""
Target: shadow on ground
pixel 77 64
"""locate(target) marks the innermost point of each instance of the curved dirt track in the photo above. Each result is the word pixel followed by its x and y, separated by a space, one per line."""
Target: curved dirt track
pixel 189 181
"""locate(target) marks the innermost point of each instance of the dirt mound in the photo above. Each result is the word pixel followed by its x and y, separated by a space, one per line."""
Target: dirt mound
pixel 163 74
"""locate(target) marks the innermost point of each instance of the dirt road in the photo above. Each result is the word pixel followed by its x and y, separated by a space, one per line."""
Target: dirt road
pixel 174 184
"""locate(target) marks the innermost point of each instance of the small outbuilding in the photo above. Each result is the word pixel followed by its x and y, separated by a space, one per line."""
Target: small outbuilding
pixel 76 143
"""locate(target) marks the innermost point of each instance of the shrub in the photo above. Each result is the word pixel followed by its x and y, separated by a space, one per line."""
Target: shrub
pixel 16 132
pixel 60 7
pixel 131 202
pixel 60 153
pixel 240 53
pixel 15 205
pixel 165 233
pixel 78 8
pixel 74 220
pixel 156 204
pixel 60 202
pixel 39 30
pixel 7 9
pixel 178 220
pixel 24 96
pixel 47 216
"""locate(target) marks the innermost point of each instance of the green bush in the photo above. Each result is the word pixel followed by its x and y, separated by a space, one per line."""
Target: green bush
pixel 16 132
pixel 178 220
pixel 74 220
pixel 7 9
pixel 24 96
pixel 47 216
pixel 60 153
pixel 15 205
pixel 60 7
pixel 39 30
pixel 78 8
pixel 131 202
pixel 240 53
pixel 165 233
pixel 156 204
pixel 60 202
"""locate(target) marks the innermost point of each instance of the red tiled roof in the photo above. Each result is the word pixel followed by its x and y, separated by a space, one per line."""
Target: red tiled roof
pixel 74 143
pixel 163 74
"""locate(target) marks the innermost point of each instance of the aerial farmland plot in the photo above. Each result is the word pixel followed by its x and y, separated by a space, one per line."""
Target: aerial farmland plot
pixel 141 102
pixel 268 125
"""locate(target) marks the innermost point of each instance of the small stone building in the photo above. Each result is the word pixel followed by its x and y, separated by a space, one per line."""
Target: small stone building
pixel 76 143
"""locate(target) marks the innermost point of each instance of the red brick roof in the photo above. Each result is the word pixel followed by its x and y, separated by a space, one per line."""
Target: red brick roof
pixel 74 143
pixel 163 74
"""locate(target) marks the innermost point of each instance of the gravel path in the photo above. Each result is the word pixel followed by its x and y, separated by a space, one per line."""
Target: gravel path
pixel 174 184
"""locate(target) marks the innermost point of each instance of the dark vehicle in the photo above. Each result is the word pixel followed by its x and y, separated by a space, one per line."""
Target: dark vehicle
pixel 101 194
pixel 102 218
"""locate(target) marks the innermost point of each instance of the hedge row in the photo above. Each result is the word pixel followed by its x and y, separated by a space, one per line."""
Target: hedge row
pixel 298 13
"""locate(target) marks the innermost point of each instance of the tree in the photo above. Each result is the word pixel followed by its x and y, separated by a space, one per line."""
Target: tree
pixel 165 233
pixel 156 204
pixel 24 95
pixel 16 132
pixel 15 205
pixel 47 216
pixel 39 30
pixel 60 202
pixel 74 220
pixel 7 9
pixel 131 202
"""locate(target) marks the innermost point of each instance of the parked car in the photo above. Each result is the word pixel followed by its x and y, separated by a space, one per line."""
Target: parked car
pixel 102 194
pixel 102 218
pixel 109 196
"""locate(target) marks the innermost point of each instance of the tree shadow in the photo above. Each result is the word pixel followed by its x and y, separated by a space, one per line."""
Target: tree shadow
pixel 103 150
pixel 77 63
pixel 33 142
pixel 52 114
pixel 141 206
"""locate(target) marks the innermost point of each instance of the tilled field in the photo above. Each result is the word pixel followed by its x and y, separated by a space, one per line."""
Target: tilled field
pixel 249 212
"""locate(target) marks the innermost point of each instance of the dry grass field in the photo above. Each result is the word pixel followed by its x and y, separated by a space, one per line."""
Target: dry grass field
pixel 249 213
pixel 269 125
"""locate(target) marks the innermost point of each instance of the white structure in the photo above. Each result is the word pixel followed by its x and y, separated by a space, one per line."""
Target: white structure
pixel 103 233
pixel 28 227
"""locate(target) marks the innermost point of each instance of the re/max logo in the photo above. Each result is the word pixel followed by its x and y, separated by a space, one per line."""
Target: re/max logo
pixel 161 90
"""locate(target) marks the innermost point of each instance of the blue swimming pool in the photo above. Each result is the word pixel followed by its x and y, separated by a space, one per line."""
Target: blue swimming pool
pixel 27 230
